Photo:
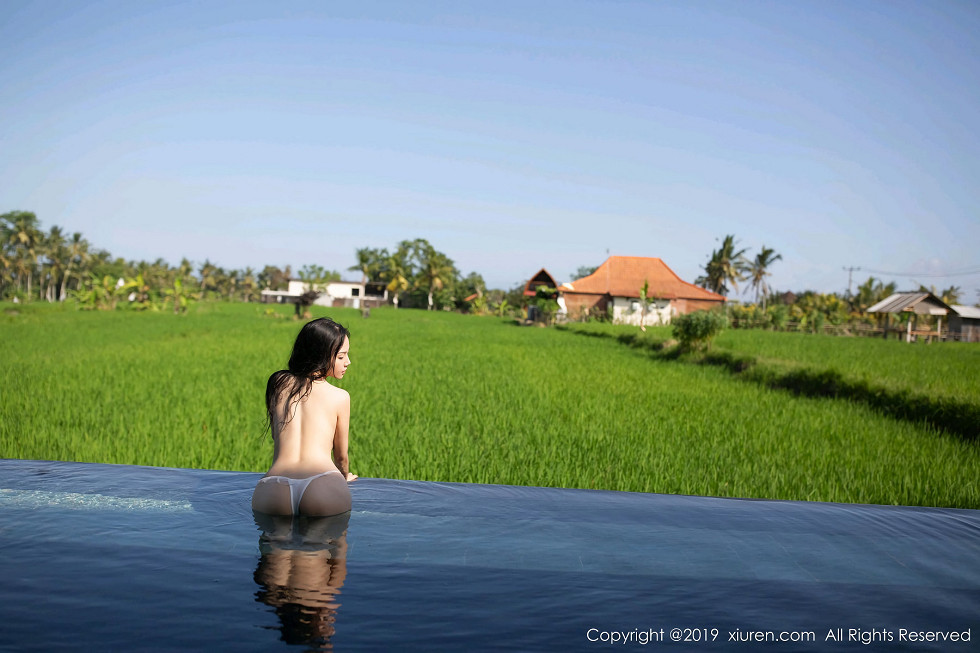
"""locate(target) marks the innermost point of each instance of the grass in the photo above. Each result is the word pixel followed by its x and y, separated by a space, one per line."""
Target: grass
pixel 936 384
pixel 439 396
pixel 946 369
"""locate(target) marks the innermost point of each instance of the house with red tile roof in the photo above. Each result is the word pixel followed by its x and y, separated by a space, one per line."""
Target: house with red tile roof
pixel 615 287
pixel 541 279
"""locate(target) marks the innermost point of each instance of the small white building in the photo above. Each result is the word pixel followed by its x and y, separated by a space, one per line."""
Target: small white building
pixel 332 293
pixel 349 293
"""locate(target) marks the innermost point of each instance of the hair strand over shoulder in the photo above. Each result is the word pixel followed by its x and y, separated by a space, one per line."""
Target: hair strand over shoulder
pixel 314 353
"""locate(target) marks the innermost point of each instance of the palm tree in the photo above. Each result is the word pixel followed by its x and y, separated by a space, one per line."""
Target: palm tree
pixel 436 270
pixel 249 285
pixel 951 295
pixel 725 266
pixel 367 263
pixel 209 280
pixel 185 271
pixel 6 270
pixel 870 293
pixel 100 264
pixel 229 282
pixel 159 274
pixel 313 276
pixel 758 271
pixel 77 258
pixel 272 278
pixel 711 279
pixel 23 235
pixel 396 273
pixel 53 249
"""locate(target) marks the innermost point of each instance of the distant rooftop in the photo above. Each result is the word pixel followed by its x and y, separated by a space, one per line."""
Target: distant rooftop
pixel 623 276
pixel 972 312
pixel 922 303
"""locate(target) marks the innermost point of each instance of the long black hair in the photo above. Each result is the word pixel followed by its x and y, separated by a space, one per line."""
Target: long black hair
pixel 314 353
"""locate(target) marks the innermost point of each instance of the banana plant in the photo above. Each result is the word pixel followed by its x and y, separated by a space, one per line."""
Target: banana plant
pixel 96 293
pixel 178 296
pixel 139 292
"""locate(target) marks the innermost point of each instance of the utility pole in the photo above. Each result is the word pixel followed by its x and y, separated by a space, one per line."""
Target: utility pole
pixel 849 271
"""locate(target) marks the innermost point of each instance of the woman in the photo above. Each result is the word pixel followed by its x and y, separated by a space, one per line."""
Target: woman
pixel 309 419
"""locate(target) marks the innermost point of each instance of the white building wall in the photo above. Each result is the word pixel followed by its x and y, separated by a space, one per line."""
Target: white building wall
pixel 330 291
pixel 628 310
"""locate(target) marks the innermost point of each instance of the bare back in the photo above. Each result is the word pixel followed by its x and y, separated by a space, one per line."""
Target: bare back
pixel 318 428
pixel 310 467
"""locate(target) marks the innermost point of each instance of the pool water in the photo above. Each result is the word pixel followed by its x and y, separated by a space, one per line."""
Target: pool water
pixel 114 557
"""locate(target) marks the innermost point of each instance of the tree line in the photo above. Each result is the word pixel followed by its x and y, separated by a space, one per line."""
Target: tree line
pixel 728 266
pixel 54 266
pixel 417 274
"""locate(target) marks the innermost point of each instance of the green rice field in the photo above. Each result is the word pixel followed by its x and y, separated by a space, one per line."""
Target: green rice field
pixel 447 397
pixel 934 383
pixel 948 369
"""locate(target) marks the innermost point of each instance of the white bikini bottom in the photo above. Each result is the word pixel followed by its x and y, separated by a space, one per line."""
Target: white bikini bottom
pixel 302 483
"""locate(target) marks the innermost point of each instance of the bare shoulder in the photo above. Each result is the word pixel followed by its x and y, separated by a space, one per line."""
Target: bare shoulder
pixel 332 394
pixel 342 395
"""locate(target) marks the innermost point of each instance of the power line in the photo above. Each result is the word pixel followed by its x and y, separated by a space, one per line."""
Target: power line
pixel 961 273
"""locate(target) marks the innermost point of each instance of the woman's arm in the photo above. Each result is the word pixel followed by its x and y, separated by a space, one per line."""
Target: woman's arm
pixel 340 437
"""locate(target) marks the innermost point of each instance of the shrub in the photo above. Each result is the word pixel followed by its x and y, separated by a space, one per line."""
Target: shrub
pixel 817 320
pixel 740 316
pixel 696 330
pixel 546 304
pixel 778 315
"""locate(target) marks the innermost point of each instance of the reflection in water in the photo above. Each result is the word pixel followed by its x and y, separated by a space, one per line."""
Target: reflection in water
pixel 300 573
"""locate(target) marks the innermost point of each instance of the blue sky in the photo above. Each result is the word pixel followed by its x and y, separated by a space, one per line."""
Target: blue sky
pixel 511 135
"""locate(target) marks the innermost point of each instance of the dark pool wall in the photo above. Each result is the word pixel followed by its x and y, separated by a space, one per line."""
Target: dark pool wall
pixel 136 558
